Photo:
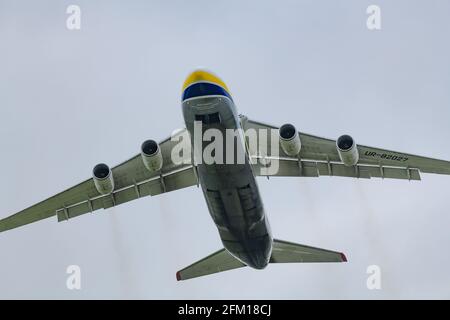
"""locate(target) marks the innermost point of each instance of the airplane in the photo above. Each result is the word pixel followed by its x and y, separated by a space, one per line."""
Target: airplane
pixel 230 190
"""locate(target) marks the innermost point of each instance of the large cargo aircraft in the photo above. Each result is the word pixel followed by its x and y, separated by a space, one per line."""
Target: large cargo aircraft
pixel 230 186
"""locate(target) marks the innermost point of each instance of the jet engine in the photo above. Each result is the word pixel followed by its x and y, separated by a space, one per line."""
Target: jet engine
pixel 347 149
pixel 103 178
pixel 290 140
pixel 151 155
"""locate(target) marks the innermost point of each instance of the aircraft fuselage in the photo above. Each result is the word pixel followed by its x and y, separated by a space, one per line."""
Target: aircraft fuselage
pixel 230 189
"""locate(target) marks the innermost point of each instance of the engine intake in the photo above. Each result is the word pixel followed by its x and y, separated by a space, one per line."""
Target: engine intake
pixel 347 149
pixel 290 140
pixel 103 178
pixel 151 155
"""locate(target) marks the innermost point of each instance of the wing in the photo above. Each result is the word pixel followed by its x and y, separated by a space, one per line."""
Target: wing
pixel 131 179
pixel 319 157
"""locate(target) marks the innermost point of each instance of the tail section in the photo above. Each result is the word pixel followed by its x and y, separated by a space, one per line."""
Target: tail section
pixel 288 252
pixel 282 252
pixel 217 262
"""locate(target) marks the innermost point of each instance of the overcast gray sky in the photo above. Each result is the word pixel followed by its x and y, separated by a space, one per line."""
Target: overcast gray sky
pixel 71 99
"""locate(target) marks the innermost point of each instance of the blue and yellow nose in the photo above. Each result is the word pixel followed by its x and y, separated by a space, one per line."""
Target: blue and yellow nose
pixel 202 83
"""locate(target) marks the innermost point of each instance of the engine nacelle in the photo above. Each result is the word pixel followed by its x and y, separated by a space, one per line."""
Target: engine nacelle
pixel 103 178
pixel 151 155
pixel 347 149
pixel 290 140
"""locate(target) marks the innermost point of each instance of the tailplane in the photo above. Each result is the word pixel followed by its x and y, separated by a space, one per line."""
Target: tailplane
pixel 282 252
pixel 288 252
pixel 219 261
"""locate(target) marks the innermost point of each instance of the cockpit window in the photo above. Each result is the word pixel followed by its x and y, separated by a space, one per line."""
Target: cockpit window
pixel 211 118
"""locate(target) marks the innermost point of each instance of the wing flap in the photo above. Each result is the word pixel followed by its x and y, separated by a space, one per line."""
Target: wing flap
pixel 372 155
pixel 291 167
pixel 168 182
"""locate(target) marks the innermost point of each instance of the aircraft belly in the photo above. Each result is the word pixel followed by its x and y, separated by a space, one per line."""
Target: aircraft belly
pixel 230 190
pixel 236 208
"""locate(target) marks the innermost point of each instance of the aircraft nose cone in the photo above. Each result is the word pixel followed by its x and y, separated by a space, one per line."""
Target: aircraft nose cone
pixel 201 75
pixel 202 83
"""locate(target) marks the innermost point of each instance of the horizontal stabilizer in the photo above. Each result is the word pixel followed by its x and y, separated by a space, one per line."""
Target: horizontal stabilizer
pixel 285 252
pixel 216 262
pixel 282 252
